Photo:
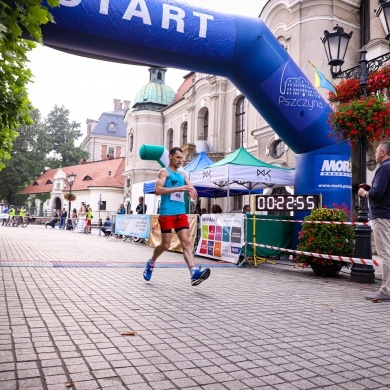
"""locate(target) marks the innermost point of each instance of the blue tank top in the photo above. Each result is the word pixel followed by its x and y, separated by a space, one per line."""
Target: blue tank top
pixel 173 204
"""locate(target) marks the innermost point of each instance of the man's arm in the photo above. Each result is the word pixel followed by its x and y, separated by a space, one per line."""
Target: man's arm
pixel 161 190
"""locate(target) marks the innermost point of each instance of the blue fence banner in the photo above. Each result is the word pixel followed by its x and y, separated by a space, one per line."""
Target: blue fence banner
pixel 133 225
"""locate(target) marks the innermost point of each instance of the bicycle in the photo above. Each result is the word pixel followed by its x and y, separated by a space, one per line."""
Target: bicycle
pixel 20 221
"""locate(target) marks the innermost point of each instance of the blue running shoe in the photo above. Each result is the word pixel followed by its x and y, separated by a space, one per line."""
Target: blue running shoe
pixel 148 270
pixel 199 276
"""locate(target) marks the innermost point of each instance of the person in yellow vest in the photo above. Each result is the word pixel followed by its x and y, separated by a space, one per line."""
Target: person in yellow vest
pixel 11 215
pixel 22 212
pixel 89 220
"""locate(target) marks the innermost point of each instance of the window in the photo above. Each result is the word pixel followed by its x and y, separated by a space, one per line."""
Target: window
pixel 35 183
pixel 111 150
pixel 87 178
pixel 49 182
pixel 170 139
pixel 111 128
pixel 206 126
pixel 184 134
pixel 238 202
pixel 131 142
pixel 277 148
pixel 240 123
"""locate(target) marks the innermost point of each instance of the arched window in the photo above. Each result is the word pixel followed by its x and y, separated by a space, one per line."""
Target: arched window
pixel 240 123
pixel 206 126
pixel 184 140
pixel 170 139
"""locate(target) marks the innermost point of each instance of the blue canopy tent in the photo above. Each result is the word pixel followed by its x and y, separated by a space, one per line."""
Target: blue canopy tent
pixel 202 160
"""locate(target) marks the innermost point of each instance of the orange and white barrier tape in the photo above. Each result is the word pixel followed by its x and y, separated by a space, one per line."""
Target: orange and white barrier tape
pixel 320 222
pixel 353 260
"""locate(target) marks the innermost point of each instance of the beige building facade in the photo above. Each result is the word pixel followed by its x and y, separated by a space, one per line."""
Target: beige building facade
pixel 210 114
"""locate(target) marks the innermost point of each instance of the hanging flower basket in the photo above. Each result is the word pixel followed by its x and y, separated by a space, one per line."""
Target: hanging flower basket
pixel 349 89
pixel 70 197
pixel 367 118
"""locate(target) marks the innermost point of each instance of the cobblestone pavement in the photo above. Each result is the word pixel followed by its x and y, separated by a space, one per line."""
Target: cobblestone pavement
pixel 65 298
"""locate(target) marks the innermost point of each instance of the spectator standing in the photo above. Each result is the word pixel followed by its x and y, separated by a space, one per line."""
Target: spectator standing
pixel 63 216
pixel 5 211
pixel 379 202
pixel 120 211
pixel 74 219
pixel 141 208
pixel 100 225
pixel 81 220
pixel 216 209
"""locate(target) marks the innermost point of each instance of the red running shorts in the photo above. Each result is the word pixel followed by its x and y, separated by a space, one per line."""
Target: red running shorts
pixel 169 222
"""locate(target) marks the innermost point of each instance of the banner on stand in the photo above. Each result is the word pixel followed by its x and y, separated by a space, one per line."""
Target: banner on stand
pixel 136 225
pixel 155 233
pixel 222 236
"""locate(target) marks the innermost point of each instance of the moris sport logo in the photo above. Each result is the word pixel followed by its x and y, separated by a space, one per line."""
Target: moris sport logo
pixel 336 168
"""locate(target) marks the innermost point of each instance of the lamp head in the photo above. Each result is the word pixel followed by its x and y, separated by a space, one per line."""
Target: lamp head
pixel 71 178
pixel 335 44
pixel 383 13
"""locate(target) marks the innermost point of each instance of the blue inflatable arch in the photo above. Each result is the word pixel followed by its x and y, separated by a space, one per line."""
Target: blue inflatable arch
pixel 175 34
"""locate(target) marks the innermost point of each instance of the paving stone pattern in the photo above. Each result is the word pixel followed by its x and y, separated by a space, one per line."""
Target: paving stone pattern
pixel 274 327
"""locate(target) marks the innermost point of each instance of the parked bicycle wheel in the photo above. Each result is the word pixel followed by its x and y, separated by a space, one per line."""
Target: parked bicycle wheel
pixel 25 221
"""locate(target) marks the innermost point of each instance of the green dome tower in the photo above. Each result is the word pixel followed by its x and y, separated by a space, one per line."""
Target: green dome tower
pixel 155 95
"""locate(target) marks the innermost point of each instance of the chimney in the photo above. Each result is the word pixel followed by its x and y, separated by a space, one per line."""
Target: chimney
pixel 117 104
pixel 91 124
pixel 126 104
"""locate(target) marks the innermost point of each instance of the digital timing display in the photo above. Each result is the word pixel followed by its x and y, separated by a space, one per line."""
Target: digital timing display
pixel 287 202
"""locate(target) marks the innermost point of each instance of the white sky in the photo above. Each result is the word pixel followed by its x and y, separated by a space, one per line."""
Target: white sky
pixel 87 87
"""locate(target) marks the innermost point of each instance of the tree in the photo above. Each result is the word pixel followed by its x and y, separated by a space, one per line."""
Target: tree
pixel 63 135
pixel 15 107
pixel 31 145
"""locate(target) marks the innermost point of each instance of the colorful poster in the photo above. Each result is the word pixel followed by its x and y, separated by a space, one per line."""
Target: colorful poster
pixel 155 233
pixel 136 225
pixel 222 236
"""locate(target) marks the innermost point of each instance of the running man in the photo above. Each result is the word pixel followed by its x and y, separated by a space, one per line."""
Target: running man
pixel 171 185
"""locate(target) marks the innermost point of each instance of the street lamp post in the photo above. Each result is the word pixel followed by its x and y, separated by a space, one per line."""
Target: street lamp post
pixel 100 204
pixel 336 43
pixel 71 178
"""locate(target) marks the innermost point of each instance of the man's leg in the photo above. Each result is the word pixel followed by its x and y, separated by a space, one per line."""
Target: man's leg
pixel 164 246
pixel 382 244
pixel 197 275
pixel 184 237
pixel 158 251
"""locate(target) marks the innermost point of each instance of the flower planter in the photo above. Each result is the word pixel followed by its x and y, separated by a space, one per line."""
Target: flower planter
pixel 326 239
pixel 327 270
